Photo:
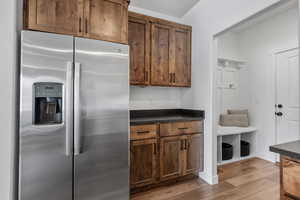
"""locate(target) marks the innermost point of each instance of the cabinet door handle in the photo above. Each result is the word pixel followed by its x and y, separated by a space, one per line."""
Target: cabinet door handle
pixel 187 145
pixel 181 145
pixel 80 24
pixel 142 132
pixel 170 77
pixel 155 148
pixel 146 76
pixel 174 78
pixel 86 26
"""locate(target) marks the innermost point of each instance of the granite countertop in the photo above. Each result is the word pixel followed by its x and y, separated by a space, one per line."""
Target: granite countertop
pixel 291 149
pixel 139 117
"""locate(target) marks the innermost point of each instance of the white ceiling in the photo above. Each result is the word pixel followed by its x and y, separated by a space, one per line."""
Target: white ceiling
pixel 175 8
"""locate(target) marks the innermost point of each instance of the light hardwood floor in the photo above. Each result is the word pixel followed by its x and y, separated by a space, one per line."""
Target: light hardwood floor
pixel 253 179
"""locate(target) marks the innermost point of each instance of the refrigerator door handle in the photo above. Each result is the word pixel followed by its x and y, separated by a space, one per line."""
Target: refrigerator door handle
pixel 77 110
pixel 69 109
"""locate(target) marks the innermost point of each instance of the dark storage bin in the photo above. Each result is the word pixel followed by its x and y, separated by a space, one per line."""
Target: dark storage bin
pixel 245 148
pixel 227 151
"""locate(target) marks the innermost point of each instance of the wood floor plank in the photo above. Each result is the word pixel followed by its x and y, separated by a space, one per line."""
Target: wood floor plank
pixel 241 168
pixel 166 192
pixel 253 179
pixel 205 192
pixel 269 193
pixel 253 176
pixel 245 190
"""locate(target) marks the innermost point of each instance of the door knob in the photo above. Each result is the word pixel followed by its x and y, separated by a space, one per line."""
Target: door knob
pixel 279 114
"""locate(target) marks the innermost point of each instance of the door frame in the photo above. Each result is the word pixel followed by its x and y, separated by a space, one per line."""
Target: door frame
pixel 210 174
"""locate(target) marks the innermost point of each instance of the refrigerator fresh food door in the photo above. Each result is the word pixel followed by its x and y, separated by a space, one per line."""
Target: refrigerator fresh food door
pixel 46 114
pixel 101 120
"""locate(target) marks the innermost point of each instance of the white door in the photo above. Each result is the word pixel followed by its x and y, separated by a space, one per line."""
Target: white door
pixel 287 106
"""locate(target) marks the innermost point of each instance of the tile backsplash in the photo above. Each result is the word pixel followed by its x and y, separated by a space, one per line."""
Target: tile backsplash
pixel 144 98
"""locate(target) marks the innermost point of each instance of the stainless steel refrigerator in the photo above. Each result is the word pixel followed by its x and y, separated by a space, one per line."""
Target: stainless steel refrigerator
pixel 74 119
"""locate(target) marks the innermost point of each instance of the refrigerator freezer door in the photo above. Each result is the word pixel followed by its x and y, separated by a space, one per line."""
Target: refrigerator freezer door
pixel 101 164
pixel 46 155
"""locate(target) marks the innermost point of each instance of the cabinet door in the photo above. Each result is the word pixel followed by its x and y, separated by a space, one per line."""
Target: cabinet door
pixel 194 147
pixel 106 20
pixel 291 176
pixel 161 55
pixel 181 73
pixel 58 16
pixel 143 162
pixel 139 41
pixel 171 149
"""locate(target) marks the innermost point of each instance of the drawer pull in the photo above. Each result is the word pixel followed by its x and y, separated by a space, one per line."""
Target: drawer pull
pixel 183 128
pixel 142 132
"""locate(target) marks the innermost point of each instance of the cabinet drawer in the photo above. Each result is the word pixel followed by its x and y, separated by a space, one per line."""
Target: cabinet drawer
pixel 141 132
pixel 181 128
pixel 291 177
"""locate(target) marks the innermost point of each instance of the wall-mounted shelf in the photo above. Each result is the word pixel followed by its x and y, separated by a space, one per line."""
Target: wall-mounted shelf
pixel 232 63
pixel 234 136
pixel 232 130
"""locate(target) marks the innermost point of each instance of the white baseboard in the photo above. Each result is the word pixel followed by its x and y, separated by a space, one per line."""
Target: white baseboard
pixel 212 180
pixel 267 158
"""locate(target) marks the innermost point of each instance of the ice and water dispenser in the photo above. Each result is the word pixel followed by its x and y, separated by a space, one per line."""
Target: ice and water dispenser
pixel 48 100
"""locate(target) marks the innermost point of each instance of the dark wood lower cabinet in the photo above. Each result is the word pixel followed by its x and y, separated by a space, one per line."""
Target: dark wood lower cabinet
pixel 170 157
pixel 143 162
pixel 290 177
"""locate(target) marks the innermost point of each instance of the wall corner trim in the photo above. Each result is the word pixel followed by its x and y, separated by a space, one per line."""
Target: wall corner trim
pixel 212 180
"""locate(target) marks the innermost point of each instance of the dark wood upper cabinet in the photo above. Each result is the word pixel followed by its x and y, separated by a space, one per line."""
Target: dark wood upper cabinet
pixel 57 16
pixel 106 20
pixel 182 66
pixel 193 161
pixel 97 19
pixel 171 157
pixel 169 52
pixel 161 54
pixel 143 162
pixel 139 41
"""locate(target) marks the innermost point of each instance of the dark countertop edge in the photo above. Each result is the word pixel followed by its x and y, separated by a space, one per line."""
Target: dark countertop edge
pixel 285 152
pixel 160 121
pixel 166 113
pixel 140 117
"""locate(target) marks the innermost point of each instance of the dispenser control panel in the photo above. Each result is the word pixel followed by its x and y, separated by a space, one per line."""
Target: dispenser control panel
pixel 48 100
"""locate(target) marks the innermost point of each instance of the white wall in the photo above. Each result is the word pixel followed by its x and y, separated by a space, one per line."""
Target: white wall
pixel 7 100
pixel 256 44
pixel 155 97
pixel 208 18
pixel 238 97
pixel 228 46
